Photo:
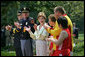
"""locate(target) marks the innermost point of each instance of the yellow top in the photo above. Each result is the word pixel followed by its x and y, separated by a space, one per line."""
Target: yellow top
pixel 57 31
pixel 54 32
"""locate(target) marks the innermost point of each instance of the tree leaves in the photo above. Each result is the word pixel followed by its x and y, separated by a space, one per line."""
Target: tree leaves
pixel 74 9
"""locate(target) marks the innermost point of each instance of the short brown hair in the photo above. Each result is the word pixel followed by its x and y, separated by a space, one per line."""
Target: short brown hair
pixel 51 16
pixel 41 14
pixel 60 9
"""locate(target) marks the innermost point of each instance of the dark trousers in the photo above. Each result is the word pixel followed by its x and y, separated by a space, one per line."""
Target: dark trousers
pixel 18 51
pixel 26 47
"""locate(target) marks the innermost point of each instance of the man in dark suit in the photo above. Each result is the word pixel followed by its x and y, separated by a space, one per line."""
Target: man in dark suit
pixel 26 40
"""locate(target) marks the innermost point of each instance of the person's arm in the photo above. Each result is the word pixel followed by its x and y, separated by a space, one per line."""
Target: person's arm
pixel 18 27
pixel 56 31
pixel 62 37
pixel 15 30
pixel 33 36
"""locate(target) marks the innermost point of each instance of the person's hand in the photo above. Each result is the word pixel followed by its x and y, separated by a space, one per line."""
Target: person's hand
pixel 49 39
pixel 8 27
pixel 27 29
pixel 17 24
pixel 46 26
pixel 35 26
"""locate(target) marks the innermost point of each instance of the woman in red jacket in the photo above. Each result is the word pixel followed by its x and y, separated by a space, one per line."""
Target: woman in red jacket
pixel 63 41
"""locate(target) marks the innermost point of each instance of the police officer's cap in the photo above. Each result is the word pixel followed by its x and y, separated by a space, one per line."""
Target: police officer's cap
pixel 25 10
pixel 19 13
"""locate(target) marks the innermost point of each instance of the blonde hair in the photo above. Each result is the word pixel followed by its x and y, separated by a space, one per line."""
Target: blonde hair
pixel 41 14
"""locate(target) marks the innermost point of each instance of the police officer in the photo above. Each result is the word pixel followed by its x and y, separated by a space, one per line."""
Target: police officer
pixel 16 34
pixel 26 40
pixel 17 38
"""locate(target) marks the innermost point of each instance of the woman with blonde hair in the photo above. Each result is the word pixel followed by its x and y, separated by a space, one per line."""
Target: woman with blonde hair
pixel 40 35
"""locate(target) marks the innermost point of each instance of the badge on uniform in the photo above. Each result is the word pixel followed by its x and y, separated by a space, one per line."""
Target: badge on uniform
pixel 26 23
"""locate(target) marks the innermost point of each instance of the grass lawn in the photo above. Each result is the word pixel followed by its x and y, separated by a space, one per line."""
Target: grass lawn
pixel 78 49
pixel 8 53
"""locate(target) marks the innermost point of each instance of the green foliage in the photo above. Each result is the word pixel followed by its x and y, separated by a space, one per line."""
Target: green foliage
pixel 74 9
